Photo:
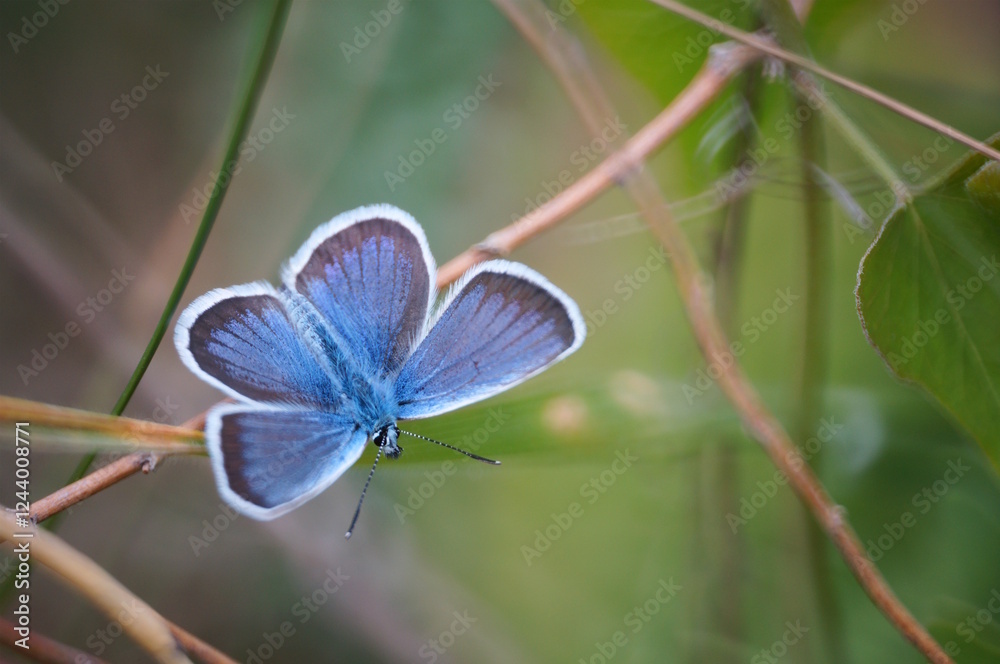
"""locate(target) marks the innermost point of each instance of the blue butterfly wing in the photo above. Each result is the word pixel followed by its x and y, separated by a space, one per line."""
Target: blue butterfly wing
pixel 269 460
pixel 370 274
pixel 249 342
pixel 501 325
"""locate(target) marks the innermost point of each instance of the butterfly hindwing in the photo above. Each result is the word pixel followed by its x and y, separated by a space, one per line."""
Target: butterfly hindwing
pixel 502 324
pixel 370 274
pixel 269 460
pixel 244 341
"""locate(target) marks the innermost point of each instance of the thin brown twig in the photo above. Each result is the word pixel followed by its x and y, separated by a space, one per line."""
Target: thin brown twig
pixel 710 336
pixel 44 649
pixel 769 47
pixel 774 439
pixel 103 477
pixel 87 486
pixel 707 84
pixel 195 646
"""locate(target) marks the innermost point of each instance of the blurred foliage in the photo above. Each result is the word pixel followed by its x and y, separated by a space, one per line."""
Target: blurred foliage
pixel 352 117
pixel 929 297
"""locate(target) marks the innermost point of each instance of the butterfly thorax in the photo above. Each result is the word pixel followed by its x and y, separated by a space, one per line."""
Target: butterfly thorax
pixel 370 401
pixel 385 438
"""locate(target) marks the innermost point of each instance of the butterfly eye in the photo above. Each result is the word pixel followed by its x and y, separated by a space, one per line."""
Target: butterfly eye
pixel 385 439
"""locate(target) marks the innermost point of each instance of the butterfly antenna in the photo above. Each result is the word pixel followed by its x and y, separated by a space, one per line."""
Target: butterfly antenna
pixel 357 512
pixel 452 447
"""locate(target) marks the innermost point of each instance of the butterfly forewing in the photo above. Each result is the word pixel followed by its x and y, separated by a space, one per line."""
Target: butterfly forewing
pixel 503 324
pixel 243 340
pixel 370 275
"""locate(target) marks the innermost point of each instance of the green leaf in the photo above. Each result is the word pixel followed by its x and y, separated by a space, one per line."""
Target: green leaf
pixel 984 187
pixel 928 295
pixel 662 50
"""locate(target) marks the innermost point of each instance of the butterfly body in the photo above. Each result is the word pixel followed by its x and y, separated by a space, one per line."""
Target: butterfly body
pixel 350 345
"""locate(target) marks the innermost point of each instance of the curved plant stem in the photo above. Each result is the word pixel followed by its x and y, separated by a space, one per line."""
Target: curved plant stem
pixel 97 481
pixel 248 98
pixel 132 432
pixel 812 368
pixel 695 293
pixel 774 439
pixel 728 593
pixel 770 48
pixel 195 646
pixel 809 88
pixel 704 88
pixel 147 627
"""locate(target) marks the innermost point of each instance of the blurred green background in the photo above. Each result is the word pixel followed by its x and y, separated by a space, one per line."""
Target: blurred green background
pixel 495 564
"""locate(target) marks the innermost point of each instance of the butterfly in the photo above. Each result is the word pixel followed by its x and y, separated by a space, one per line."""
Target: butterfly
pixel 351 344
